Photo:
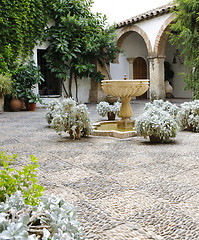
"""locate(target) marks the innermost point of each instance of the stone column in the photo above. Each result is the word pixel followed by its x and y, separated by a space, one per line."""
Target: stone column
pixel 156 68
pixel 130 60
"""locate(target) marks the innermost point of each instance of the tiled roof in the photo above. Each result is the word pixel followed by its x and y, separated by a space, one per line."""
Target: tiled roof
pixel 147 15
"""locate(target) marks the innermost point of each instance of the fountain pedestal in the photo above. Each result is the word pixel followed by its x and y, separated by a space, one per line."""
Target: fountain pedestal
pixel 125 113
pixel 125 89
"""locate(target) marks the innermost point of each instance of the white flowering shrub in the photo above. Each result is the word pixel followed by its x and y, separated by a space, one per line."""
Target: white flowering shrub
pixel 188 116
pixel 156 122
pixel 70 117
pixel 172 109
pixel 53 108
pixel 104 107
pixel 52 219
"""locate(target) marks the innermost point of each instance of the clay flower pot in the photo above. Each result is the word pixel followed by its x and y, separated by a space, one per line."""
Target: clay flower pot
pixel 30 106
pixel 16 104
pixel 111 116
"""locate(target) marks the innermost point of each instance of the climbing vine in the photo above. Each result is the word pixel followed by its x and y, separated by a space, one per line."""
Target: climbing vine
pixel 185 32
pixel 22 24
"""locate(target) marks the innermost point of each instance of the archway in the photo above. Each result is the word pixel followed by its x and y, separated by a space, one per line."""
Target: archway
pixel 163 49
pixel 125 32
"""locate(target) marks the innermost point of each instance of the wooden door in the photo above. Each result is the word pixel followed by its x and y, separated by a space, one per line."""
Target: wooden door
pixel 140 71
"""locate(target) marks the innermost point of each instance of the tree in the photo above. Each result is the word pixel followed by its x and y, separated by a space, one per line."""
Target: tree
pixel 185 34
pixel 22 24
pixel 79 39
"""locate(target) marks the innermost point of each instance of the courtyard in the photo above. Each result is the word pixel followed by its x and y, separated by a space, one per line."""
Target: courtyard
pixel 123 188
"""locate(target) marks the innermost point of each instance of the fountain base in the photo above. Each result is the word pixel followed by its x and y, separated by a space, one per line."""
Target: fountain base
pixel 111 129
pixel 125 123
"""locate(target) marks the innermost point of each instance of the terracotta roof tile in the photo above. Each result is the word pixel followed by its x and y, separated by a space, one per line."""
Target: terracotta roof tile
pixel 149 14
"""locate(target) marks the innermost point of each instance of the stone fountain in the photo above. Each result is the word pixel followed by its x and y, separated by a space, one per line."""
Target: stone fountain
pixel 125 89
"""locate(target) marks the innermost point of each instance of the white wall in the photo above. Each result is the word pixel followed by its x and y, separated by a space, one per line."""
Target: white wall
pixel 84 85
pixel 152 27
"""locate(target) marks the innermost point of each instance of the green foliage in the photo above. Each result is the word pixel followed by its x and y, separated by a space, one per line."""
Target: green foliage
pixel 12 180
pixel 7 159
pixel 22 24
pixel 184 34
pixel 5 84
pixel 6 59
pixel 24 81
pixel 78 39
pixel 55 219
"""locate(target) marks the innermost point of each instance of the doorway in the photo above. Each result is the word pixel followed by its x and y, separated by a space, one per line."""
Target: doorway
pixel 140 72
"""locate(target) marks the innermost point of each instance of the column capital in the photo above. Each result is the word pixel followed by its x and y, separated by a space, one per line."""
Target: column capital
pixel 130 60
pixel 156 57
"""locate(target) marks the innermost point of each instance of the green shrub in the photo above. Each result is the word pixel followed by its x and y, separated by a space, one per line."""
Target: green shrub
pixel 24 180
pixel 69 116
pixel 188 116
pixel 5 84
pixel 8 159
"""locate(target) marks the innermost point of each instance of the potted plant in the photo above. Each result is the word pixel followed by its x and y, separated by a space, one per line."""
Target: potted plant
pixel 16 104
pixel 104 108
pixel 26 77
pixel 70 117
pixel 5 88
pixel 53 108
pixel 167 106
pixel 188 116
pixel 157 124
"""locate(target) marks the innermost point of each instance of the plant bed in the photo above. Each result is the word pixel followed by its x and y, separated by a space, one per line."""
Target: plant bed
pixel 68 116
pixel 188 116
pixel 156 123
pixel 106 109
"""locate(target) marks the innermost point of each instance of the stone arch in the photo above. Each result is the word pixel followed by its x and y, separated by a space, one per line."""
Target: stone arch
pixel 162 37
pixel 126 31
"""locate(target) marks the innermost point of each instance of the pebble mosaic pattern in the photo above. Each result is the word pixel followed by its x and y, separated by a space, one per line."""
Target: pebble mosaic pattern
pixel 124 189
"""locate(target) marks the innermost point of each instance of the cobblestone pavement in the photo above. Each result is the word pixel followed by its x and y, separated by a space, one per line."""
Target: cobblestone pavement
pixel 125 189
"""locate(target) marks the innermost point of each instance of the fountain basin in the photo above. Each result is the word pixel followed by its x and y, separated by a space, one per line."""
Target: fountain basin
pixel 125 89
pixel 110 128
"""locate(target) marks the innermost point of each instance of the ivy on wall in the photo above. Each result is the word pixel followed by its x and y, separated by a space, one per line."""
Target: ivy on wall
pixel 22 24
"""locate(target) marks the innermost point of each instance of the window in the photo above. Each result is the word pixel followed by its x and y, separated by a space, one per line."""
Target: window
pixel 51 87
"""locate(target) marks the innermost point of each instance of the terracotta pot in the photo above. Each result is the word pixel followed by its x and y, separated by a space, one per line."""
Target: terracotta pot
pixel 111 116
pixel 30 106
pixel 16 105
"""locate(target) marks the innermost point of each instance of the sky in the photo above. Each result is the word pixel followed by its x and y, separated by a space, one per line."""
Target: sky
pixel 119 10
